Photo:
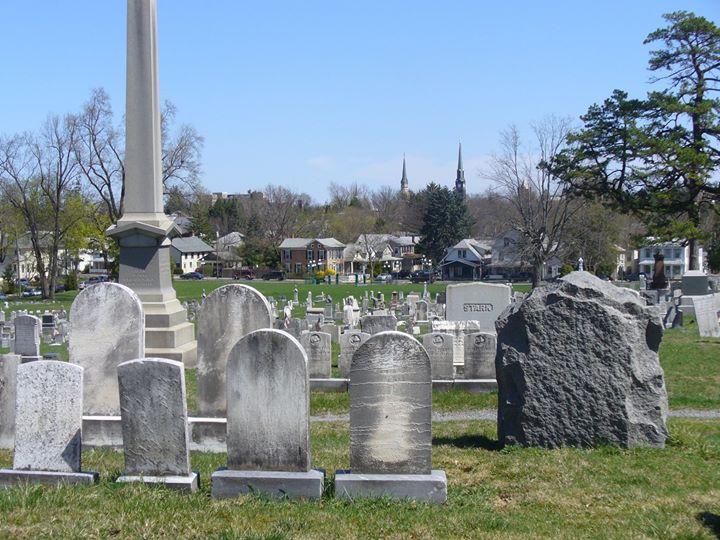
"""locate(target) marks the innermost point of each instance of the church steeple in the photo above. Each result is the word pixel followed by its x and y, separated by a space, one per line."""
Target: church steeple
pixel 404 187
pixel 460 178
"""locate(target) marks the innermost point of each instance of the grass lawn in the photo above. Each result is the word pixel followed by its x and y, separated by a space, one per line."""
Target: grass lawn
pixel 492 493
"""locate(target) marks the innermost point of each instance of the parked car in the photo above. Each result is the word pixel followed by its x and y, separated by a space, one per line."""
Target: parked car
pixel 384 278
pixel 22 281
pixel 244 274
pixel 422 277
pixel 32 291
pixel 192 275
pixel 3 297
pixel 98 279
pixel 274 274
pixel 60 288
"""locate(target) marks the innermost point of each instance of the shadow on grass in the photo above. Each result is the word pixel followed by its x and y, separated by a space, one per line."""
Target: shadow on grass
pixel 469 441
pixel 711 521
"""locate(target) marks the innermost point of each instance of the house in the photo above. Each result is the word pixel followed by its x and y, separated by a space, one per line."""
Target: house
pixel 188 253
pixel 393 252
pixel 465 260
pixel 677 257
pixel 509 262
pixel 298 255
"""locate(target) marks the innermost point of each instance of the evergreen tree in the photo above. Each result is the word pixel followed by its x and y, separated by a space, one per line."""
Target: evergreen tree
pixel 445 221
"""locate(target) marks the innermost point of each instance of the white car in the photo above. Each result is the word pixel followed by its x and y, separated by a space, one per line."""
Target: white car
pixel 384 278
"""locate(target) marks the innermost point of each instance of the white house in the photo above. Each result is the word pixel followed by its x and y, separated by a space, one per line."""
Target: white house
pixel 188 253
pixel 465 260
pixel 677 258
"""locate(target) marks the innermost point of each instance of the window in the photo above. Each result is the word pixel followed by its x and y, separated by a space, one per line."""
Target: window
pixel 309 254
pixel 321 254
pixel 298 267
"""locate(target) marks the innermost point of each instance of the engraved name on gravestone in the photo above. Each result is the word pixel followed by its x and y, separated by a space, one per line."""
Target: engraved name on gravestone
pixel 349 343
pixel 483 302
pixel 390 406
pixel 479 352
pixel 107 328
pixel 440 350
pixel 27 336
pixel 317 348
pixel 226 315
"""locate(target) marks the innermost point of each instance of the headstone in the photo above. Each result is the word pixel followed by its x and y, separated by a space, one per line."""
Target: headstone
pixel 390 423
pixel 349 343
pixel 440 350
pixel 268 441
pixel 479 356
pixel 421 310
pixel 695 283
pixel 27 336
pixel 296 300
pixel 228 314
pixel 706 315
pixel 577 365
pixel 106 329
pixel 333 330
pixel 319 354
pixel 483 302
pixel 156 442
pixel 373 324
pixel 459 329
pixel 642 282
pixel 8 377
pixel 48 426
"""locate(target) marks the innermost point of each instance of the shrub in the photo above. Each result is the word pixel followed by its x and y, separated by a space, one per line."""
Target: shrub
pixel 71 282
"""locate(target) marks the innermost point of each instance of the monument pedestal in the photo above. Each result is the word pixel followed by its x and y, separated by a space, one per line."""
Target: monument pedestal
pixel 144 241
pixel 189 483
pixel 10 478
pixel 227 483
pixel 431 488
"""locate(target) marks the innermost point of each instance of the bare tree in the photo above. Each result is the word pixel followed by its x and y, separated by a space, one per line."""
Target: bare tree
pixel 489 212
pixel 281 212
pixel 350 195
pixel 540 209
pixel 100 150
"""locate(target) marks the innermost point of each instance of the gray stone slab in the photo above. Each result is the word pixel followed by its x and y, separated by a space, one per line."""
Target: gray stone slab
pixel 479 355
pixel 107 328
pixel 189 483
pixel 350 342
pixel 48 417
pixel 154 418
pixel 226 315
pixel 317 346
pixel 390 406
pixel 8 381
pixel 374 324
pixel 27 335
pixel 268 404
pixel 429 488
pixel 483 302
pixel 10 478
pixel 706 315
pixel 279 484
pixel 440 349
pixel 695 283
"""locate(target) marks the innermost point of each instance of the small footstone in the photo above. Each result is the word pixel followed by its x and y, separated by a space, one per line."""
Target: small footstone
pixel 430 488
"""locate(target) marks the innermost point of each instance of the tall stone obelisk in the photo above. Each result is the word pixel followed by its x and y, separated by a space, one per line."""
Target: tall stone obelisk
pixel 144 231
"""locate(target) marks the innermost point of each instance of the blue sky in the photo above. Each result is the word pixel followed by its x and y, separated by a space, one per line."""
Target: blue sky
pixel 304 94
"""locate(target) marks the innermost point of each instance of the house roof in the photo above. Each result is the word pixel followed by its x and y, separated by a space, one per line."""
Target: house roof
pixel 190 244
pixel 294 243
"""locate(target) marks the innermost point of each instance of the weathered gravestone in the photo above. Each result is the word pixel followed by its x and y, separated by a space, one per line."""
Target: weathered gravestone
pixel 319 353
pixel 440 347
pixel 8 383
pixel 27 336
pixel 333 330
pixel 390 423
pixel 706 315
pixel 228 314
pixel 577 365
pixel 48 426
pixel 421 310
pixel 482 302
pixel 349 343
pixel 106 329
pixel 479 354
pixel 156 442
pixel 374 324
pixel 268 441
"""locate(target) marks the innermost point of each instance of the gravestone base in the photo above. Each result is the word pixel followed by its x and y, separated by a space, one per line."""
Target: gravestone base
pixel 329 385
pixel 228 483
pixel 10 478
pixel 188 484
pixel 431 488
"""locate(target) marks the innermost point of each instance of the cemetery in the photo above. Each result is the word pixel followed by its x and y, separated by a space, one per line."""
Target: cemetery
pixel 150 407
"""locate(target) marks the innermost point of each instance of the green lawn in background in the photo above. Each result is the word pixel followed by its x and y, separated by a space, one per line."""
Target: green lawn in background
pixel 492 493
